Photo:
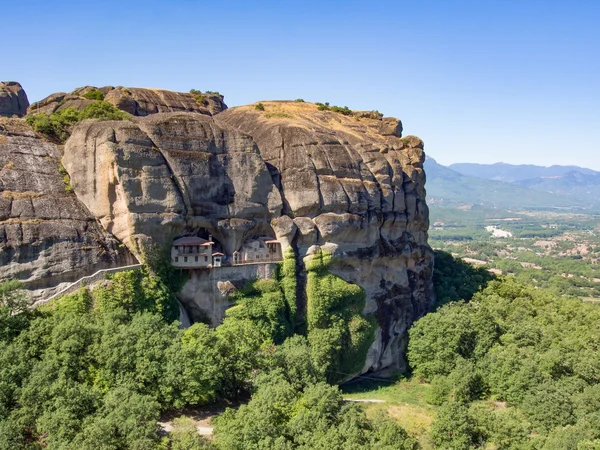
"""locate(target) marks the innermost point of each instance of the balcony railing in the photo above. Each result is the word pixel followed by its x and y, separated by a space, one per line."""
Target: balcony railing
pixel 240 262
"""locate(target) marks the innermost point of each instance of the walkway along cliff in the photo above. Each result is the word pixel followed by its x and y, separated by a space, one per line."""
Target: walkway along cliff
pixel 253 182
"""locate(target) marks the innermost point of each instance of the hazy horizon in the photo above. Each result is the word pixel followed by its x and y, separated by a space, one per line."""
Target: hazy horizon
pixel 479 82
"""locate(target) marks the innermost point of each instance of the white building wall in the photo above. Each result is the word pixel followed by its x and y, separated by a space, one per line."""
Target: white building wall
pixel 191 257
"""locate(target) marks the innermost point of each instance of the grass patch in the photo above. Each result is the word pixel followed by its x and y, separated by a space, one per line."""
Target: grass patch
pixel 278 114
pixel 405 390
pixel 11 195
pixel 404 401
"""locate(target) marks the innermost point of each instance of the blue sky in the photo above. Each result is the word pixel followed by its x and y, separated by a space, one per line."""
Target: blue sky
pixel 479 81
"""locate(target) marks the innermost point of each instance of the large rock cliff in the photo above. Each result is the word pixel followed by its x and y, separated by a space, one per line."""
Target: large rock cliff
pixel 349 185
pixel 317 180
pixel 48 239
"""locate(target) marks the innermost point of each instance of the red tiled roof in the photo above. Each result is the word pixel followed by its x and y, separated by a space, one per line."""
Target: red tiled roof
pixel 192 240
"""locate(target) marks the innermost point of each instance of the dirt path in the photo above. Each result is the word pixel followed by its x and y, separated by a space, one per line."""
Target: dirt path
pixel 201 417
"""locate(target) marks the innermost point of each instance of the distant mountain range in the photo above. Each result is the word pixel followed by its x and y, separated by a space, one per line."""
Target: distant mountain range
pixel 507 186
pixel 512 173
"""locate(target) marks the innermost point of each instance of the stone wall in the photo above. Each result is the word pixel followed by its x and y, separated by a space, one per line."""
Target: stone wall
pixel 206 293
pixel 86 281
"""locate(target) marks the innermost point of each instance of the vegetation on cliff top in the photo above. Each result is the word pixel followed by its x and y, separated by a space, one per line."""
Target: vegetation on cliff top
pixel 56 126
pixel 94 94
pixel 337 109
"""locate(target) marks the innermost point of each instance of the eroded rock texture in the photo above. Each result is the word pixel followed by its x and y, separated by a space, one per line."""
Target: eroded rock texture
pixel 47 237
pixel 13 99
pixel 153 178
pixel 135 101
pixel 355 188
pixel 350 185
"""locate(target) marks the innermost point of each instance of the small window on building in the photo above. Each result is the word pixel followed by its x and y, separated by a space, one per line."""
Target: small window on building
pixel 196 259
pixel 206 259
pixel 185 259
pixel 177 247
pixel 176 259
pixel 257 256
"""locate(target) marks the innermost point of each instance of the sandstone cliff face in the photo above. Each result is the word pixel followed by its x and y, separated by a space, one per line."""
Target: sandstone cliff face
pixel 355 188
pixel 135 101
pixel 350 185
pixel 156 177
pixel 13 100
pixel 47 237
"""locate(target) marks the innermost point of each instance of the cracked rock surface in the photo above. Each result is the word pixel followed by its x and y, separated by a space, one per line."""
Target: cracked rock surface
pixel 13 99
pixel 47 237
pixel 350 185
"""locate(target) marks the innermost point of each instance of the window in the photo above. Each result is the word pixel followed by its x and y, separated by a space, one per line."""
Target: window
pixel 206 259
pixel 257 256
pixel 176 259
pixel 185 259
pixel 196 259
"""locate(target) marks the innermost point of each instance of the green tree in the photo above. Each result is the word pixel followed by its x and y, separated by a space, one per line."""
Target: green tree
pixel 194 369
pixel 94 94
pixel 14 313
pixel 454 427
pixel 127 419
pixel 454 279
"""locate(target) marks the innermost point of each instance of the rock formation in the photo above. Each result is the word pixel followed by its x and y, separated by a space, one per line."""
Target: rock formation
pixel 13 100
pixel 350 185
pixel 47 237
pixel 354 187
pixel 153 178
pixel 135 101
pixel 314 179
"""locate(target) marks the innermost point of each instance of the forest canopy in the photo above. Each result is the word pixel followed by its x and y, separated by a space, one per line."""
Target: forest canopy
pixel 96 368
pixel 530 352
